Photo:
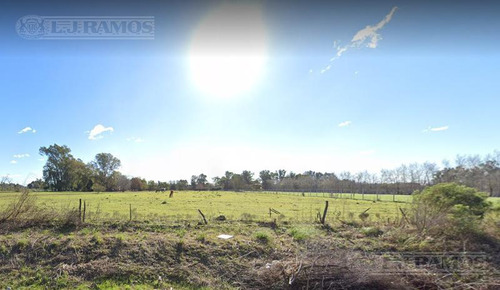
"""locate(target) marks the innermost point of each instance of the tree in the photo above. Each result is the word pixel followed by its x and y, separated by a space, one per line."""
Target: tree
pixel 266 178
pixel 182 184
pixel 136 184
pixel 57 169
pixel 122 182
pixel 152 186
pixel 281 174
pixel 193 182
pixel 37 184
pixel 81 175
pixel 4 182
pixel 201 181
pixel 105 165
pixel 247 177
pixel 237 182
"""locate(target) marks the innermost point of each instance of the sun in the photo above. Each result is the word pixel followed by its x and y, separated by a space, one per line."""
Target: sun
pixel 228 50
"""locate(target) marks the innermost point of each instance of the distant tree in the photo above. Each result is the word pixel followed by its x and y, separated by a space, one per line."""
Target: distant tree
pixel 166 185
pixel 136 184
pixel 247 177
pixel 281 174
pixel 81 176
pixel 4 182
pixel 266 178
pixel 193 182
pixel 152 186
pixel 98 187
pixel 57 170
pixel 105 166
pixel 237 182
pixel 37 184
pixel 122 182
pixel 201 181
pixel 225 181
pixel 182 184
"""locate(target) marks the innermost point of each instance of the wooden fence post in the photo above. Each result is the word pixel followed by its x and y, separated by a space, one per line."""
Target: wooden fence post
pixel 80 210
pixel 84 210
pixel 324 213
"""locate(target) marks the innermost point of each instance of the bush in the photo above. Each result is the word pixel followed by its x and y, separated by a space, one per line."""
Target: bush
pixel 299 235
pixel 449 206
pixel 371 231
pixel 262 237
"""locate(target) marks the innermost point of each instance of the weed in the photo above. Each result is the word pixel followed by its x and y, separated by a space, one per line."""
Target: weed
pixel 262 237
pixel 371 231
pixel 299 234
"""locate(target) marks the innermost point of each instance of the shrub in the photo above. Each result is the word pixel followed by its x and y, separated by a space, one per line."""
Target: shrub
pixel 449 206
pixel 299 234
pixel 262 237
pixel 371 231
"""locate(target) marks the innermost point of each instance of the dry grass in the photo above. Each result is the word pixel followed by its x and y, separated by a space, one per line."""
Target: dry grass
pixel 24 212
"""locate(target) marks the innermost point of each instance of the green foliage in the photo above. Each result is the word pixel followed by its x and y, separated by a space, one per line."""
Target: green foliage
pixel 371 231
pixel 454 198
pixel 262 237
pixel 299 234
pixel 105 166
pixel 449 207
pixel 96 187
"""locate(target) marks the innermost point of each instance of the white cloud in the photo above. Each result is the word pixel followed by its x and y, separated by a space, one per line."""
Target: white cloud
pixel 370 32
pixel 96 133
pixel 13 162
pixel 26 130
pixel 21 155
pixel 436 129
pixel 367 36
pixel 135 139
pixel 345 123
pixel 41 159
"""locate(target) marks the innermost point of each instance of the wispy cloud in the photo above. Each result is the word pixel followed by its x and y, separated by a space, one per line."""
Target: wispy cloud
pixel 436 129
pixel 98 130
pixel 370 32
pixel 345 123
pixel 135 139
pixel 26 130
pixel 367 37
pixel 13 162
pixel 21 155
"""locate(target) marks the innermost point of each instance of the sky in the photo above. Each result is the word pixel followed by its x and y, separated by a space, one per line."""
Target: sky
pixel 252 85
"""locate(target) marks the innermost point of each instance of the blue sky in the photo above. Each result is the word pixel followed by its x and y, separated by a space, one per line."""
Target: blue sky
pixel 422 87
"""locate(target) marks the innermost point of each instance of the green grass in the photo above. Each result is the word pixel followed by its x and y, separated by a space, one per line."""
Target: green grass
pixel 109 252
pixel 184 205
pixel 150 206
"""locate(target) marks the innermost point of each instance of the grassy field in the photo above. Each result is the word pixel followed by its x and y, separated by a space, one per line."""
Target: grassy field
pixel 233 205
pixel 166 245
pixel 184 206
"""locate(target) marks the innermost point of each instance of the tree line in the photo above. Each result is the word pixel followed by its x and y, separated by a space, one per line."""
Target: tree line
pixel 64 172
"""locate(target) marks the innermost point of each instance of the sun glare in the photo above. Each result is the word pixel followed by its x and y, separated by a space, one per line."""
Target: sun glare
pixel 228 50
